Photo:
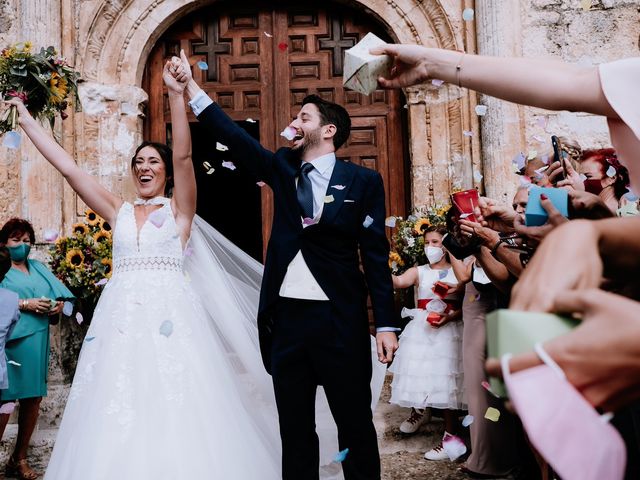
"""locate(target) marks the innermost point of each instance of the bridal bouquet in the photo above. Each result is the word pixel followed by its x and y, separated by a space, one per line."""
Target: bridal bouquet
pixel 82 260
pixel 407 241
pixel 44 81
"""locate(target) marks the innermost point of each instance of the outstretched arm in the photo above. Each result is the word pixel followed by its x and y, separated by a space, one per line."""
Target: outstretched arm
pixel 406 280
pixel 548 84
pixel 98 198
pixel 184 179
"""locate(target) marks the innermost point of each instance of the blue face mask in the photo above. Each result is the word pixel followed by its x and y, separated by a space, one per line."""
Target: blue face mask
pixel 19 253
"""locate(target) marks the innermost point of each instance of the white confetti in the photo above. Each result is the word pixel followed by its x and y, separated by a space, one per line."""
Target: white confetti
pixel 477 176
pixel 12 362
pixel 250 120
pixel 7 408
pixel 289 133
pixel 467 133
pixel 532 154
pixel 268 35
pixel 467 420
pixel 583 177
pixel 166 328
pixel 542 169
pixel 79 318
pixel 348 200
pixel 437 82
pixel 390 222
pixel 519 161
pixel 221 147
pixel 229 165
pixel 611 171
pixel 368 221
pixel 406 107
pixel 260 184
pixel 481 110
pixel 50 235
pixel 338 187
pixel 468 14
pixel 329 199
pixel 539 138
pixel 453 446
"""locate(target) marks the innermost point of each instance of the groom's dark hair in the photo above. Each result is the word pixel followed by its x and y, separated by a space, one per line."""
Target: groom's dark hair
pixel 332 113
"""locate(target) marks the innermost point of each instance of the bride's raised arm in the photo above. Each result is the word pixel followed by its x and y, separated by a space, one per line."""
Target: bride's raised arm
pixel 98 198
pixel 184 179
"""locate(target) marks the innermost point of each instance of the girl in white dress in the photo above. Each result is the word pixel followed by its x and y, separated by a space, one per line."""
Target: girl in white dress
pixel 427 369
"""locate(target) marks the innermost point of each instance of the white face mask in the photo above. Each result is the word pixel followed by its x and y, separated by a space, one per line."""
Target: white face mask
pixel 434 254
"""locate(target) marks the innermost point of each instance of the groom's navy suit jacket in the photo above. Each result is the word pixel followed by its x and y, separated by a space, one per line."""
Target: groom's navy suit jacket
pixel 330 247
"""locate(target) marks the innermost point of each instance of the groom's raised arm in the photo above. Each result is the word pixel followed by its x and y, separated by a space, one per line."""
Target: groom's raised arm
pixel 246 150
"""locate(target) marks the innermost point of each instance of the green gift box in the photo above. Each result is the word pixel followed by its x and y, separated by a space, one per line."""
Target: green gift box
pixel 513 331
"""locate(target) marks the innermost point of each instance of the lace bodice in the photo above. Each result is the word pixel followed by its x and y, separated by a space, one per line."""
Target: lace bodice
pixel 156 246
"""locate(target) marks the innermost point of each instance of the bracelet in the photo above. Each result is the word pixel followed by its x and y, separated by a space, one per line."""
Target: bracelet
pixel 458 69
pixel 494 249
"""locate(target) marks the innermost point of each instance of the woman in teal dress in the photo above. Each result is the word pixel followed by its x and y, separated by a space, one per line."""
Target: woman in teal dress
pixel 41 296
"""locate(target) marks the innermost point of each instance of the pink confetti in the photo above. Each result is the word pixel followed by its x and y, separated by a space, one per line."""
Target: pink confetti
pixel 467 133
pixel 188 252
pixel 308 221
pixel 542 122
pixel 338 187
pixel 453 446
pixel 50 235
pixel 229 165
pixel 7 408
pixel 437 82
pixel 157 217
pixel 487 387
pixel 102 281
pixel 282 46
pixel 79 318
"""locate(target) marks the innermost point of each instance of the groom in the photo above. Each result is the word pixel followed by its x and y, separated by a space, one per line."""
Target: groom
pixel 312 318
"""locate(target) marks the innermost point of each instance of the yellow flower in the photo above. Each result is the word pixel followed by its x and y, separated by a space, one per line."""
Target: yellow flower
pixel 79 229
pixel 109 266
pixel 421 225
pixel 58 88
pixel 75 258
pixel 101 236
pixel 394 257
pixel 91 217
pixel 104 226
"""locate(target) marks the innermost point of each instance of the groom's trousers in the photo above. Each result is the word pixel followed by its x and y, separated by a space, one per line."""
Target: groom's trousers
pixel 313 346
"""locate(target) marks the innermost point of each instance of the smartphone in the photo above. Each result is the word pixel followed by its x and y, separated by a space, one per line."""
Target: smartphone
pixel 558 157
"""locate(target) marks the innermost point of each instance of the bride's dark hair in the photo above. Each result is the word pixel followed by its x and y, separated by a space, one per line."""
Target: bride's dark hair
pixel 166 155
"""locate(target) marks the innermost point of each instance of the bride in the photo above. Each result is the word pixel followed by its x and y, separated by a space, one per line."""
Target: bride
pixel 169 383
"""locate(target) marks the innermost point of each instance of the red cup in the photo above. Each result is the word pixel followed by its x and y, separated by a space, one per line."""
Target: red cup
pixel 466 201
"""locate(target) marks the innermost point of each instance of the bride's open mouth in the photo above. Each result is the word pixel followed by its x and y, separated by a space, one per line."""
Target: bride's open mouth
pixel 145 178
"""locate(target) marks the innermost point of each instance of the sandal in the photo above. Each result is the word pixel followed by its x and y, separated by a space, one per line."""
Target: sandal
pixel 20 469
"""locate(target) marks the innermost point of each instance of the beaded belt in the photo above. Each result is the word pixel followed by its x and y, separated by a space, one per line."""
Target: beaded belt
pixel 131 264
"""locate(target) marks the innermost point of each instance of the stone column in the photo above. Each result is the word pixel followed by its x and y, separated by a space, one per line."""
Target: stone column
pixel 498 33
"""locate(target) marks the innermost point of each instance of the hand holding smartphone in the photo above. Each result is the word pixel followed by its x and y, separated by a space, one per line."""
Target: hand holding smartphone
pixel 559 157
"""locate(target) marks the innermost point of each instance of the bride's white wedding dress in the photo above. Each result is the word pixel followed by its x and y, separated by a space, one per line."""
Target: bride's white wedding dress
pixel 170 383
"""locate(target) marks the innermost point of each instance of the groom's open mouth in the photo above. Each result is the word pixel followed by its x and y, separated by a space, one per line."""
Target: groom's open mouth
pixel 299 135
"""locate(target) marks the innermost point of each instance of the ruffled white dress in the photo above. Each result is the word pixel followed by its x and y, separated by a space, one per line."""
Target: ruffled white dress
pixel 427 369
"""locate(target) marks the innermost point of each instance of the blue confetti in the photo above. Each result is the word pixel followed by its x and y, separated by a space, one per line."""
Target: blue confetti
pixel 340 456
pixel 442 274
pixel 202 65
pixel 166 328
pixel 88 339
pixel 12 139
pixel 67 309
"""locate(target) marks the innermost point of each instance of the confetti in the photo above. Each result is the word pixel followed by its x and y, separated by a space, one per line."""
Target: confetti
pixel 436 306
pixel 484 384
pixel 539 138
pixel 89 339
pixel 532 154
pixel 467 133
pixel 102 281
pixel 542 169
pixel 7 408
pixel 545 159
pixel 79 318
pixel 519 161
pixel 338 187
pixel 250 120
pixel 188 252
pixel 390 222
pixel 282 46
pixel 453 446
pixel 289 133
pixel 442 274
pixel 525 181
pixel 11 362
pixel 67 309
pixel 308 221
pixel 340 456
pixel 329 199
pixel 368 221
pixel 221 147
pixel 586 5
pixel 467 14
pixel 166 328
pixel 202 65
pixel 268 35
pixel 50 235
pixel 437 82
pixel 467 420
pixel 481 110
pixel 492 414
pixel 406 107
pixel 12 139
pixel 630 196
pixel 157 217
pixel 477 176
pixel 465 215
pixel 260 184
pixel 611 171
pixel 228 165
pixel 348 200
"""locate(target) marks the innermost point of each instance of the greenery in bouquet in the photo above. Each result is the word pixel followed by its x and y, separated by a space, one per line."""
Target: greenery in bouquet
pixel 407 241
pixel 82 260
pixel 44 81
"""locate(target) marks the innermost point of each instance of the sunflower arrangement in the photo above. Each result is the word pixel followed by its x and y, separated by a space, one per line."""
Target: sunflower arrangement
pixel 44 81
pixel 407 241
pixel 82 260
